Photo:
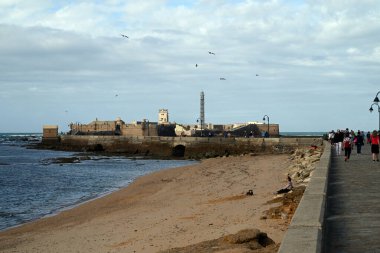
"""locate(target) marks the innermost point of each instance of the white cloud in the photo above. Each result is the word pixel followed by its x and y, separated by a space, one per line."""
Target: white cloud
pixel 71 53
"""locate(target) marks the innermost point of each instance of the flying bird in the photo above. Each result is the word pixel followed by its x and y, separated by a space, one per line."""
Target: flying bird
pixel 211 53
pixel 125 36
pixel 222 78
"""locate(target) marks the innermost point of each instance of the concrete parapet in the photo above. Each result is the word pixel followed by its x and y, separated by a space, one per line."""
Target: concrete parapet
pixel 302 240
pixel 320 171
pixel 310 211
pixel 316 186
pixel 305 231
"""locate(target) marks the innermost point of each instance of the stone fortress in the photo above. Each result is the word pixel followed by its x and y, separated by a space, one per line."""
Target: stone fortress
pixel 165 138
pixel 163 127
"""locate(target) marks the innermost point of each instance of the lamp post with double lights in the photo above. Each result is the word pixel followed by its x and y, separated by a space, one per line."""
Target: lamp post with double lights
pixel 378 109
pixel 266 116
pixel 376 102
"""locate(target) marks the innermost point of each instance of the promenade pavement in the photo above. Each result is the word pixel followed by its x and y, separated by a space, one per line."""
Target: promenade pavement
pixel 352 218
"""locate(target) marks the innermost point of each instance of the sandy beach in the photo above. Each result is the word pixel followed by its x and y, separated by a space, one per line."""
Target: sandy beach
pixel 167 209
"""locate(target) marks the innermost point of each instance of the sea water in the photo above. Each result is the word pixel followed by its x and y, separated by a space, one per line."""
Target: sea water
pixel 33 184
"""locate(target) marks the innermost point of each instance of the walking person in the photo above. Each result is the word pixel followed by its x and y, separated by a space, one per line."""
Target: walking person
pixel 375 145
pixel 331 137
pixel 347 144
pixel 338 139
pixel 368 137
pixel 359 142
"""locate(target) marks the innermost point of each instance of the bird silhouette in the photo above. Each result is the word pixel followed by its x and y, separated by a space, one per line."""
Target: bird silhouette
pixel 222 78
pixel 125 36
pixel 196 65
pixel 257 74
pixel 211 53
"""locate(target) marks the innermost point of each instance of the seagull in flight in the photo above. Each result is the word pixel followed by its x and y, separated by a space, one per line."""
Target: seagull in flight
pixel 209 52
pixel 125 36
pixel 222 78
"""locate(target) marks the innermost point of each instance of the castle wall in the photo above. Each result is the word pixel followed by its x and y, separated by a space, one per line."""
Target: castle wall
pixel 100 126
pixel 139 130
pixel 194 147
pixel 274 129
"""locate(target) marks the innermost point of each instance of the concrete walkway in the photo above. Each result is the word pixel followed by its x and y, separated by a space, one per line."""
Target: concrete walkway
pixel 352 218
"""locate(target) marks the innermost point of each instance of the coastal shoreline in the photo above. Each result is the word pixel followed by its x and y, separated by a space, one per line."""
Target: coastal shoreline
pixel 165 209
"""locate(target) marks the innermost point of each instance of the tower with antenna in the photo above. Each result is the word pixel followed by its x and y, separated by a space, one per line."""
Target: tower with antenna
pixel 202 112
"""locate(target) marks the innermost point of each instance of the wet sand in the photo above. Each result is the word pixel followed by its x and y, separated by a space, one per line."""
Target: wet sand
pixel 166 209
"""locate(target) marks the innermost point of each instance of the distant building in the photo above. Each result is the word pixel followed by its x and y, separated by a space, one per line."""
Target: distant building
pixel 163 116
pixel 50 134
pixel 50 131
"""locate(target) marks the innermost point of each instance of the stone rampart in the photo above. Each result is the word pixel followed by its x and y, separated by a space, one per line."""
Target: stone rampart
pixel 188 147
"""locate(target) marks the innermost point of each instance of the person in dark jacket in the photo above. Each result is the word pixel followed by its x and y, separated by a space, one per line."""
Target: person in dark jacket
pixel 359 142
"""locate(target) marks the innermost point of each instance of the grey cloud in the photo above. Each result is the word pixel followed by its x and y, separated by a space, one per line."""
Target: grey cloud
pixel 307 56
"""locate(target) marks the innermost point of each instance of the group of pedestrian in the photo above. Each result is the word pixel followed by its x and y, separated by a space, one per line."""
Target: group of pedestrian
pixel 345 140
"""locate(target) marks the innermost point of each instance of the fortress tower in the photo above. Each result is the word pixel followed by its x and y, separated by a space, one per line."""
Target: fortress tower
pixel 163 116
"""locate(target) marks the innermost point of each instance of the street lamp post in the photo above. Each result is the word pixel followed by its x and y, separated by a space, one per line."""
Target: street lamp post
pixel 378 109
pixel 376 100
pixel 266 116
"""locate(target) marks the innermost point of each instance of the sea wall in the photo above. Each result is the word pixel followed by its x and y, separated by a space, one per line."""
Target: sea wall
pixel 305 231
pixel 187 147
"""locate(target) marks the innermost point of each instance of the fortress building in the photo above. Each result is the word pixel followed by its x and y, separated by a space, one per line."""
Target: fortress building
pixel 119 127
pixel 163 116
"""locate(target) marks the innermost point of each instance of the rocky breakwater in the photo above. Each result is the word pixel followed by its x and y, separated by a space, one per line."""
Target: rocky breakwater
pixel 303 163
pixel 300 170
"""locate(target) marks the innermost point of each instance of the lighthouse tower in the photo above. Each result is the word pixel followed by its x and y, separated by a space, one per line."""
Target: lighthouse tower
pixel 202 112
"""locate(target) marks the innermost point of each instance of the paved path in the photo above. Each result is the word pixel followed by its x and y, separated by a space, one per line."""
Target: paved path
pixel 352 222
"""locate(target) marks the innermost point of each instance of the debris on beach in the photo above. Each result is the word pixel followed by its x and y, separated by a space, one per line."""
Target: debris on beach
pixel 244 241
pixel 289 203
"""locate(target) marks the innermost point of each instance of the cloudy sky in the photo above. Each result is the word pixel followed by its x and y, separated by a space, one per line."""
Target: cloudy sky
pixel 309 65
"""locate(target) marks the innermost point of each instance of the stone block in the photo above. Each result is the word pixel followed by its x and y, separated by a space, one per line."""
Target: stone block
pixel 320 172
pixel 317 185
pixel 302 240
pixel 310 211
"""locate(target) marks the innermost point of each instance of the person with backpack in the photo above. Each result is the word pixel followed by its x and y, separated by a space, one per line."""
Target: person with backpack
pixel 347 144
